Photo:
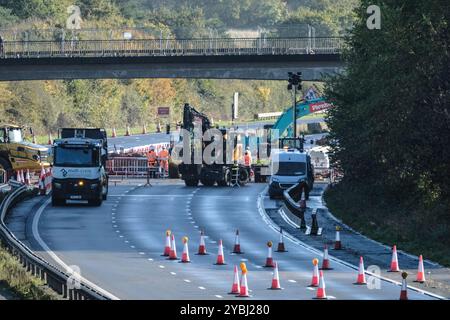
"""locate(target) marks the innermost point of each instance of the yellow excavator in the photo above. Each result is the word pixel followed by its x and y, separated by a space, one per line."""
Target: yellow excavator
pixel 17 154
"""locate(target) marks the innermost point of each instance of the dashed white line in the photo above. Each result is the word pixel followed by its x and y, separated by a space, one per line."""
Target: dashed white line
pixel 162 267
pixel 187 280
pixel 142 253
pixel 218 296
pixel 202 288
pixel 293 281
pixel 150 259
pixel 173 273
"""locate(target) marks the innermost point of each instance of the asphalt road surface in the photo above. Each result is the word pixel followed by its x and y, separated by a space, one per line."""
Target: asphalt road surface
pixel 118 246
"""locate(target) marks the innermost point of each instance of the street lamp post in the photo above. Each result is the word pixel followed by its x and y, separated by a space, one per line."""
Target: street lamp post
pixel 295 82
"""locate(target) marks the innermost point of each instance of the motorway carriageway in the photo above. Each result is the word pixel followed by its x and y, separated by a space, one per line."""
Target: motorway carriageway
pixel 118 246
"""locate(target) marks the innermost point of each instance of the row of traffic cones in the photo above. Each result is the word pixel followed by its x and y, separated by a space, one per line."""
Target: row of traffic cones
pixel 128 131
pixel 23 176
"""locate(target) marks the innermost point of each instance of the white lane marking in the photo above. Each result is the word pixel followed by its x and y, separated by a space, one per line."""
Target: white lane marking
pixel 187 280
pixel 121 236
pixel 132 247
pixel 218 296
pixel 142 253
pixel 309 288
pixel 292 281
pixel 173 273
pixel 37 236
pixel 331 297
pixel 196 227
pixel 117 231
pixel 154 195
pixel 162 267
pixel 150 259
pixel 287 235
pixel 202 288
pixel 126 241
pixel 287 219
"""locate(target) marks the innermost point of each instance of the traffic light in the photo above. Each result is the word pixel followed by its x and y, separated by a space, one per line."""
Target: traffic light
pixel 295 79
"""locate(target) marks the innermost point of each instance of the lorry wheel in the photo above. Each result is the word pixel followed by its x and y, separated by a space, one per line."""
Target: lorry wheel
pixel 191 182
pixel 208 182
pixel 105 196
pixel 243 176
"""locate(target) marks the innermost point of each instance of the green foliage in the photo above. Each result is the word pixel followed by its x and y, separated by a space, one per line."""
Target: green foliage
pixel 391 121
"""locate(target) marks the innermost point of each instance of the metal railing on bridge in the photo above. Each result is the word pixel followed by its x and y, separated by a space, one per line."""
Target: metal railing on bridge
pixel 171 47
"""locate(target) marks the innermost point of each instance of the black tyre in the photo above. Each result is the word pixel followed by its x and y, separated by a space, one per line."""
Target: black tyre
pixel 191 182
pixel 208 182
pixel 95 202
pixel 243 176
pixel 105 196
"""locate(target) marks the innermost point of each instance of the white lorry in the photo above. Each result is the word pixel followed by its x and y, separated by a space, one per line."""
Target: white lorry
pixel 79 171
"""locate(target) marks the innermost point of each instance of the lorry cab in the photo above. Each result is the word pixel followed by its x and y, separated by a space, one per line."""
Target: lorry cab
pixel 79 171
pixel 289 167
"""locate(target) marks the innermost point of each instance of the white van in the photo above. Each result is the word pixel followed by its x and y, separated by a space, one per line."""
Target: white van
pixel 289 167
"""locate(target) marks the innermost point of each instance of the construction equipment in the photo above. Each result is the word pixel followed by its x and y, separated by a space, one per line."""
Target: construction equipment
pixel 79 171
pixel 193 170
pixel 17 154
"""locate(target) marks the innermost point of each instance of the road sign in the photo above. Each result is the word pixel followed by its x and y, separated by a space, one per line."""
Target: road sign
pixel 163 111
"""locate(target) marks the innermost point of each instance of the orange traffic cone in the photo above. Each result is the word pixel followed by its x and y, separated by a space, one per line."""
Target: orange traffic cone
pixel 404 290
pixel 394 261
pixel 420 271
pixel 269 259
pixel 244 286
pixel 167 246
pixel 361 273
pixel 315 277
pixel 173 249
pixel 235 288
pixel 42 189
pixel 237 245
pixel 275 279
pixel 128 132
pixel 185 255
pixel 18 176
pixel 337 242
pixel 27 177
pixel 220 257
pixel 325 261
pixel 281 247
pixel 50 139
pixel 202 246
pixel 114 134
pixel 321 294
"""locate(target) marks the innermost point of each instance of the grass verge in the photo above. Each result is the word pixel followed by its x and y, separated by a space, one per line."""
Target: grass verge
pixel 408 224
pixel 19 283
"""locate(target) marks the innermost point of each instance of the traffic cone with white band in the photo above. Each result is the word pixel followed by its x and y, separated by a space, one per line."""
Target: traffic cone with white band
pixel 326 261
pixel 281 247
pixel 185 255
pixel 275 279
pixel 220 257
pixel 315 277
pixel 269 259
pixel 202 246
pixel 420 271
pixel 244 286
pixel 404 291
pixel 361 280
pixel 167 246
pixel 237 244
pixel 337 242
pixel 321 294
pixel 235 288
pixel 173 249
pixel 394 261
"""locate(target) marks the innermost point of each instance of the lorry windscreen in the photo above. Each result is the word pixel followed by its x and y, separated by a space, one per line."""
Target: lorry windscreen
pixel 291 168
pixel 76 157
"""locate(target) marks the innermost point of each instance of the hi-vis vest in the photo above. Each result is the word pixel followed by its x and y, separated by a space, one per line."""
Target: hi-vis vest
pixel 248 160
pixel 151 156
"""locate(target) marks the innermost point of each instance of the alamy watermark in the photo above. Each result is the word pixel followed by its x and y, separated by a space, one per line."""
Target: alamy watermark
pixel 74 21
pixel 74 280
pixel 374 20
